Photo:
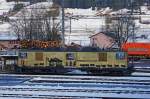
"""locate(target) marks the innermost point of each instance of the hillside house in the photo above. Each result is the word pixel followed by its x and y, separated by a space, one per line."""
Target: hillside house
pixel 101 40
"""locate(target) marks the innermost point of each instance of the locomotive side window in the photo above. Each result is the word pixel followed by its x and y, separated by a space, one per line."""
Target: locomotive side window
pixel 39 56
pixel 70 56
pixel 102 56
pixel 120 55
pixel 23 55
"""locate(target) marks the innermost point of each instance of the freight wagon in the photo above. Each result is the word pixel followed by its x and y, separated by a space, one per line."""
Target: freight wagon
pixel 60 62
pixel 137 50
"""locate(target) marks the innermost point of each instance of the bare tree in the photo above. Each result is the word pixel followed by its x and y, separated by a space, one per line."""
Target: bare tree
pixel 37 23
pixel 123 28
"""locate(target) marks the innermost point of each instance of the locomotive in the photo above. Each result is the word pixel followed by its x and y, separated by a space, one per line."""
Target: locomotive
pixel 60 61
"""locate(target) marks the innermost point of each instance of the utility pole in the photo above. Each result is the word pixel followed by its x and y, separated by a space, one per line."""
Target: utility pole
pixel 134 6
pixel 63 24
pixel 70 28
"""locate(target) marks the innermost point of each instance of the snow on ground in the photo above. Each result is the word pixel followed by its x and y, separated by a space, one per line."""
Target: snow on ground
pixel 6 33
pixel 104 11
pixel 141 31
pixel 5 6
pixel 140 74
pixel 143 26
pixel 91 26
pixel 5 28
pixel 27 11
pixel 121 11
pixel 46 89
pixel 85 22
pixel 74 76
pixel 80 12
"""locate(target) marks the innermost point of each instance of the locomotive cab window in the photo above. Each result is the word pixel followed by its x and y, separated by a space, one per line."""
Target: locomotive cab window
pixel 23 55
pixel 120 55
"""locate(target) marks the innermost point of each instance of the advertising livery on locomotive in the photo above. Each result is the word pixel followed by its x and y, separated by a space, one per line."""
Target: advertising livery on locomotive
pixel 35 61
pixel 61 61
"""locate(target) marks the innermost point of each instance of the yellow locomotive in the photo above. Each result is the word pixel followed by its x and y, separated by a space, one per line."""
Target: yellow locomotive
pixel 47 57
pixel 60 62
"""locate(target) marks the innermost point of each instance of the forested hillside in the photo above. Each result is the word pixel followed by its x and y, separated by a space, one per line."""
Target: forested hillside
pixel 115 4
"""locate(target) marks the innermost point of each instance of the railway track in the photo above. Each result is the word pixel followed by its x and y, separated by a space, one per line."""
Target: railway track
pixel 24 96
pixel 73 87
pixel 89 90
pixel 65 93
pixel 89 80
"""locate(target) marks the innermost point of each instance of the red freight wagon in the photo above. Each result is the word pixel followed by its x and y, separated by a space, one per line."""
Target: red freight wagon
pixel 139 50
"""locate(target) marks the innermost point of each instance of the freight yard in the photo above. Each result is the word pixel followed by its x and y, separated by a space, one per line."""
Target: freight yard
pixel 74 49
pixel 83 86
pixel 62 87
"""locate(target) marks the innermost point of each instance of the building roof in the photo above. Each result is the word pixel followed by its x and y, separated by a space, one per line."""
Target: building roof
pixel 110 34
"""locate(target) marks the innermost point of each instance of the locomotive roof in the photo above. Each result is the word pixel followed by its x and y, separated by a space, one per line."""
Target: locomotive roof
pixel 83 49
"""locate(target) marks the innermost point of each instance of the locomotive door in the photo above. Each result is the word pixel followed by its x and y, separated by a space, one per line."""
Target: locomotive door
pixel 71 59
pixel 55 62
